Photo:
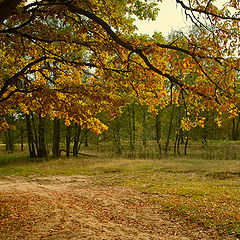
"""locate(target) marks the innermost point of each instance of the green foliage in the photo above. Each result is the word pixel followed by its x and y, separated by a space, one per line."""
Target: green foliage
pixel 145 10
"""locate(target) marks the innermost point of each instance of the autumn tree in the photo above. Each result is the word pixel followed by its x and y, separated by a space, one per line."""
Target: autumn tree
pixel 74 59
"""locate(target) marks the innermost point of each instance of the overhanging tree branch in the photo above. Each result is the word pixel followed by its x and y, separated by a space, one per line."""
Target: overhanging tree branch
pixel 6 8
pixel 205 11
pixel 131 48
pixel 122 43
pixel 12 80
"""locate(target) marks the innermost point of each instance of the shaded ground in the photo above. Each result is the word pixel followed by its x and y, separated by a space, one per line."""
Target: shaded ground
pixel 76 208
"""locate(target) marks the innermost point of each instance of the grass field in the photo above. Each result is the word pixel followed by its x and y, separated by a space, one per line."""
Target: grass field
pixel 202 192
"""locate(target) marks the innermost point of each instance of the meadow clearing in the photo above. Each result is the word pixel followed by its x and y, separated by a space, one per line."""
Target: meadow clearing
pixel 116 198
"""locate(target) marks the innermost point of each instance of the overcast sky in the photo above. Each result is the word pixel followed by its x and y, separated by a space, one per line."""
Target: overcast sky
pixel 171 17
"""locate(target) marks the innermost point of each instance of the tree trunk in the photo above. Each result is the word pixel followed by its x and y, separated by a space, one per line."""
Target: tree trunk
pixel 178 143
pixel 130 130
pixel 158 127
pixel 6 141
pixel 42 152
pixel 131 115
pixel 56 137
pixel 133 128
pixel 235 127
pixel 31 147
pixel 86 139
pixel 169 131
pixel 175 143
pixel 233 130
pixel 186 145
pixel 117 140
pixel 10 140
pixel 82 138
pixel 77 130
pixel 35 135
pixel 68 141
pixel 22 148
pixel 9 135
pixel 144 132
pixel 205 132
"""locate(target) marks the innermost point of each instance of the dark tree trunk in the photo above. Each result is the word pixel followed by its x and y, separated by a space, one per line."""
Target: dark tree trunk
pixel 133 126
pixel 35 135
pixel 31 147
pixel 9 135
pixel 235 128
pixel 56 137
pixel 130 131
pixel 144 132
pixel 205 137
pixel 182 137
pixel 42 152
pixel 131 113
pixel 158 127
pixel 205 132
pixel 68 141
pixel 6 141
pixel 175 143
pixel 178 142
pixel 117 140
pixel 86 139
pixel 186 145
pixel 169 131
pixel 22 148
pixel 10 140
pixel 82 138
pixel 77 130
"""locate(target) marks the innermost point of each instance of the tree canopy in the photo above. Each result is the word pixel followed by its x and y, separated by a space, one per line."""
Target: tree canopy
pixel 74 59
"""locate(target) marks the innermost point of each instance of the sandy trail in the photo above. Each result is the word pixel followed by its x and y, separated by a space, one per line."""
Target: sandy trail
pixel 76 208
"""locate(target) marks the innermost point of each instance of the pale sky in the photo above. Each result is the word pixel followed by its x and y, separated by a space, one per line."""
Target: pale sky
pixel 171 17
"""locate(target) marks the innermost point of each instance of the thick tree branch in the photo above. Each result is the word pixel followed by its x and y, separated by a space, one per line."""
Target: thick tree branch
pixel 15 91
pixel 10 30
pixel 206 12
pixel 6 8
pixel 122 43
pixel 131 48
pixel 12 80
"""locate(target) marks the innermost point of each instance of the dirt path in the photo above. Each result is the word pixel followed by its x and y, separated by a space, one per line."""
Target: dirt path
pixel 76 208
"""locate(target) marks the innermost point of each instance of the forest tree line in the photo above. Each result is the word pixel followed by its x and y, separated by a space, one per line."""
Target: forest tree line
pixel 134 127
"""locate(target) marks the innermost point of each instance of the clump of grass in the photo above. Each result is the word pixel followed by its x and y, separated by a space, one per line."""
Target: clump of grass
pixel 13 158
pixel 223 175
pixel 221 151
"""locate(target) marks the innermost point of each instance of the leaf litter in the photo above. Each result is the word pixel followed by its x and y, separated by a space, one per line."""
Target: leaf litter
pixel 75 207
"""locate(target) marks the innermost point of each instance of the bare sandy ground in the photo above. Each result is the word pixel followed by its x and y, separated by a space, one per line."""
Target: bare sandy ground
pixel 76 208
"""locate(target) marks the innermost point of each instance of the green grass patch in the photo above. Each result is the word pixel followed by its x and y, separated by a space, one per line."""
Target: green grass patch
pixel 12 158
pixel 202 192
